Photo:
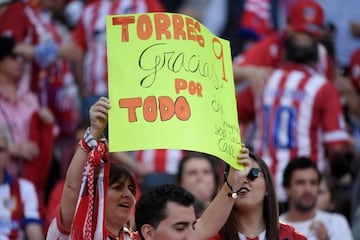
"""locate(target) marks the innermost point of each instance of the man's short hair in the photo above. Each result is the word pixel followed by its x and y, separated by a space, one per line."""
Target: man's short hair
pixel 151 207
pixel 296 164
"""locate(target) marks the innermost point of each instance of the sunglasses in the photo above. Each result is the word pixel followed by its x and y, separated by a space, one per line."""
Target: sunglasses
pixel 254 174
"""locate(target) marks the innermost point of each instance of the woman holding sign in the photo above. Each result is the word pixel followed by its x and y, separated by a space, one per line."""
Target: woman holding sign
pixel 255 212
pixel 87 216
pixel 103 213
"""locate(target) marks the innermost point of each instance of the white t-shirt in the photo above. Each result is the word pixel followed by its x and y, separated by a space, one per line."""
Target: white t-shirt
pixel 336 224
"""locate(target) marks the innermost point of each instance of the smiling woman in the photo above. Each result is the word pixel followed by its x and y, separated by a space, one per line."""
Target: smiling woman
pixel 120 198
pixel 116 189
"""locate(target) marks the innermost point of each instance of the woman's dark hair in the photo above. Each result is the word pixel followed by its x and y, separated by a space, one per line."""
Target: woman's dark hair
pixel 119 173
pixel 334 189
pixel 211 160
pixel 270 208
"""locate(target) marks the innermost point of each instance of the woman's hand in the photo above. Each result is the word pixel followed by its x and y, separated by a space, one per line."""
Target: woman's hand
pixel 27 150
pixel 46 116
pixel 99 117
pixel 237 177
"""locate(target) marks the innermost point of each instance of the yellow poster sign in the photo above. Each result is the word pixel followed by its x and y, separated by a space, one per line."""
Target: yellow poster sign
pixel 170 86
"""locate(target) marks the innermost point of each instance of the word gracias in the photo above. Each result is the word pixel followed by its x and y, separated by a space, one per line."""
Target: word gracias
pixel 163 105
pixel 174 26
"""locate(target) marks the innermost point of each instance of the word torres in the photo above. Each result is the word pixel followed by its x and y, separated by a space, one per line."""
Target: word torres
pixel 175 26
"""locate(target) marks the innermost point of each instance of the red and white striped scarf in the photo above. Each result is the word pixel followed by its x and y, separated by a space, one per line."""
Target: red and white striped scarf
pixel 89 219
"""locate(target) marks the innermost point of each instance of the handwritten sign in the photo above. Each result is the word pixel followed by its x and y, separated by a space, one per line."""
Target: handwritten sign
pixel 170 86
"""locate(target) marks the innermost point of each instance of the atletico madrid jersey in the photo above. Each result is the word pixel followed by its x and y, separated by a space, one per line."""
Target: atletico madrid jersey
pixel 298 114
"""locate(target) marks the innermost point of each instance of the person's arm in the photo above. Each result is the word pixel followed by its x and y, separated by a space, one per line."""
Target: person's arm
pixel 34 232
pixel 98 122
pixel 336 138
pixel 255 75
pixel 216 214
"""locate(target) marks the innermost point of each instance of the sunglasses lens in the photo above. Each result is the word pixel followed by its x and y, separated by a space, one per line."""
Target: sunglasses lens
pixel 253 174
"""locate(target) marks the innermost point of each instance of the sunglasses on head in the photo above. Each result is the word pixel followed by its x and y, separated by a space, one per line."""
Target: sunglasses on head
pixel 254 174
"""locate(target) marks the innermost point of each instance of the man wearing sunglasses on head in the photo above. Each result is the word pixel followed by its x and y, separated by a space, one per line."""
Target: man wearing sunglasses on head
pixel 254 214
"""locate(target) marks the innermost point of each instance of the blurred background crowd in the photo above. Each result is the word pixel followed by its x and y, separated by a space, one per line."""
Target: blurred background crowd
pixel 53 68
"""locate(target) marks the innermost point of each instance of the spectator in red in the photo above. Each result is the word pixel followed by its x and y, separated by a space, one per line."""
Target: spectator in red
pixel 260 58
pixel 298 112
pixel 304 16
pixel 47 73
pixel 89 37
pixel 30 126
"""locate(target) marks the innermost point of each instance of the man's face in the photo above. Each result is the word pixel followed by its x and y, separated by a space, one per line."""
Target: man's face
pixel 120 201
pixel 179 224
pixel 199 179
pixel 303 190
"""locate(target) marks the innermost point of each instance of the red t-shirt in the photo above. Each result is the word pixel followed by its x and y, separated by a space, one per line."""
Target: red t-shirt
pixel 287 232
pixel 268 52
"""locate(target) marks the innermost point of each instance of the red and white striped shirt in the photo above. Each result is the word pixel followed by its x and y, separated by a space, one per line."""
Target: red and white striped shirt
pixel 90 35
pixel 33 25
pixel 268 53
pixel 298 114
pixel 161 160
pixel 16 116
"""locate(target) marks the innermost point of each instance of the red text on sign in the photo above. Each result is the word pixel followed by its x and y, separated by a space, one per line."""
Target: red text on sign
pixel 192 87
pixel 164 26
pixel 152 108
